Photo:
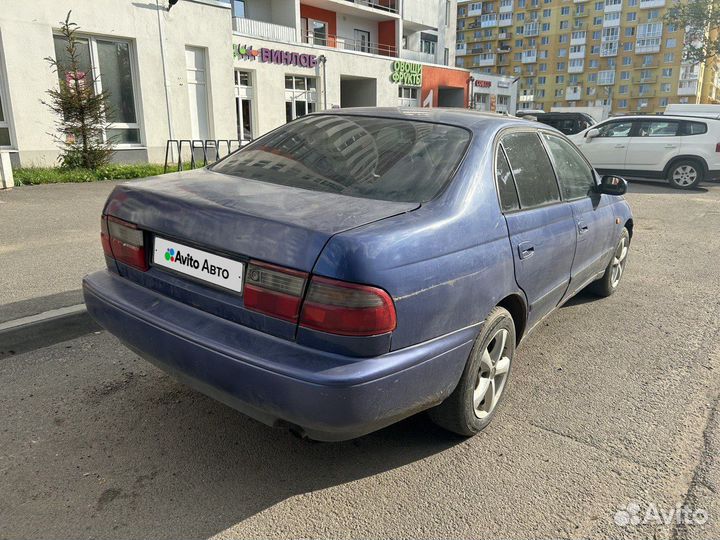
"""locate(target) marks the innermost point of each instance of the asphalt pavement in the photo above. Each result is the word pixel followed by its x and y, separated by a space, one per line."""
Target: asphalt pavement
pixel 611 423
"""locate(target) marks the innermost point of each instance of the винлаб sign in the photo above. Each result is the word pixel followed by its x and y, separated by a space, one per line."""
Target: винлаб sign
pixel 274 56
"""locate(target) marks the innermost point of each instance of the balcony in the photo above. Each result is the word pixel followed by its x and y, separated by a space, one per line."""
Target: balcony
pixel 383 5
pixel 461 49
pixel 606 78
pixel 647 45
pixel 419 56
pixel 611 19
pixel 349 44
pixel 488 20
pixel 578 38
pixel 504 35
pixel 262 29
pixel 504 49
pixel 578 67
pixel 531 29
pixel 484 60
pixel 474 12
pixel 609 48
pixel 688 89
pixel 505 20
pixel 529 56
pixel 577 54
pixel 573 93
pixel 612 7
pixel 644 93
pixel 507 8
pixel 647 4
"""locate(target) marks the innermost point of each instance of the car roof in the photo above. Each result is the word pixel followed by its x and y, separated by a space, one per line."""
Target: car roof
pixel 453 116
pixel 659 117
pixel 562 114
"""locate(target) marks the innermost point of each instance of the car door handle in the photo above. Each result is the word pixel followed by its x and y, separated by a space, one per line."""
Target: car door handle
pixel 671 146
pixel 619 146
pixel 582 227
pixel 526 250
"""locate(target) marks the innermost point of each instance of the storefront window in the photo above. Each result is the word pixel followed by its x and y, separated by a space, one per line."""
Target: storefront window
pixel 244 95
pixel 300 96
pixel 107 65
pixel 408 96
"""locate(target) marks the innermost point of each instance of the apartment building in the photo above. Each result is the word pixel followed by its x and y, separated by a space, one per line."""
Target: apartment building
pixel 619 54
pixel 221 69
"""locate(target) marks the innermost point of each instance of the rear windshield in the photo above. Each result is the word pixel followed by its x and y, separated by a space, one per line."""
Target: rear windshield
pixel 374 158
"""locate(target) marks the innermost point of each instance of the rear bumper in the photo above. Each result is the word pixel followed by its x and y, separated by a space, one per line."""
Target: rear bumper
pixel 325 395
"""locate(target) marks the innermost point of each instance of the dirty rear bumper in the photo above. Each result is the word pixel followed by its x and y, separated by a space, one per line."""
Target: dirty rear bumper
pixel 323 395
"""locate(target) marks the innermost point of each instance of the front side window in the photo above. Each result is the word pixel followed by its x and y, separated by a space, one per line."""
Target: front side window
pixel 107 65
pixel 615 129
pixel 574 174
pixel 531 168
pixel 374 158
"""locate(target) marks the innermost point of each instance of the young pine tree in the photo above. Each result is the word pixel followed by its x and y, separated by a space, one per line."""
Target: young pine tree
pixel 82 114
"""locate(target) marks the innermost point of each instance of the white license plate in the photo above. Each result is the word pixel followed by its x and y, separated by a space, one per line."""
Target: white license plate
pixel 199 264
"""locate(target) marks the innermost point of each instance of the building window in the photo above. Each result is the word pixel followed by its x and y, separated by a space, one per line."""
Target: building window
pixel 667 72
pixel 428 43
pixel 108 65
pixel 623 89
pixel 671 43
pixel 669 58
pixel 238 7
pixel 4 124
pixel 665 87
pixel 315 32
pixel 627 60
pixel 300 96
pixel 663 102
pixel 408 96
pixel 623 103
pixel 244 95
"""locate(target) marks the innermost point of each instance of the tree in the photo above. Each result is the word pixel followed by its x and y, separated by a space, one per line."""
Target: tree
pixel 82 113
pixel 701 21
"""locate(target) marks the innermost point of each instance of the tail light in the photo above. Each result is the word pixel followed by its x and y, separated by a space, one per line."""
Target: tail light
pixel 123 242
pixel 347 309
pixel 273 290
pixel 717 147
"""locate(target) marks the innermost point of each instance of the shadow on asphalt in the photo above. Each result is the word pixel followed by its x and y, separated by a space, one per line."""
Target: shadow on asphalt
pixel 194 467
pixel 663 188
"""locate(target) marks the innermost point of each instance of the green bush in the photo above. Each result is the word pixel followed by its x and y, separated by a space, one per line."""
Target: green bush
pixel 56 175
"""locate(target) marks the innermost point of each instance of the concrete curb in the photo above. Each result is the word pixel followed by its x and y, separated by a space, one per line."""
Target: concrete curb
pixel 43 329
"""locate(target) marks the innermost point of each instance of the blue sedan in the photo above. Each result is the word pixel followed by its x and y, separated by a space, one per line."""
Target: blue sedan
pixel 355 267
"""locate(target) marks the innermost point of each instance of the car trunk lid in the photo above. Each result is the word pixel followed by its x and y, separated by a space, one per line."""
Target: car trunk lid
pixel 283 225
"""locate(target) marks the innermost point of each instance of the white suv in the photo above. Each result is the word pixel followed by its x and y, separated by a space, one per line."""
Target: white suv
pixel 682 150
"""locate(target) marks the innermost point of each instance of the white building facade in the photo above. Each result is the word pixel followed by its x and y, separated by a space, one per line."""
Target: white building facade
pixel 222 69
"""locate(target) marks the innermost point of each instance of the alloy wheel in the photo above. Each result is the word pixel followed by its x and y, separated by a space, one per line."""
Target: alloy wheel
pixel 618 262
pixel 684 175
pixel 492 375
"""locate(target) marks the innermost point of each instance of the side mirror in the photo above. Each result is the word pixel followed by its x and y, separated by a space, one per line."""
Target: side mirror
pixel 591 134
pixel 612 185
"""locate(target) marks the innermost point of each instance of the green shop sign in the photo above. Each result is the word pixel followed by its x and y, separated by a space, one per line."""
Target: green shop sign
pixel 406 73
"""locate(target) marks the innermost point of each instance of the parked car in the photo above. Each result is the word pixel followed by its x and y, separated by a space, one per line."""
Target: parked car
pixel 520 113
pixel 692 109
pixel 355 267
pixel 568 123
pixel 682 150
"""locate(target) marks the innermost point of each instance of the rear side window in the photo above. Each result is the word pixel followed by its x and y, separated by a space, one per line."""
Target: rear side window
pixel 506 184
pixel 374 158
pixel 693 128
pixel 575 175
pixel 658 129
pixel 530 165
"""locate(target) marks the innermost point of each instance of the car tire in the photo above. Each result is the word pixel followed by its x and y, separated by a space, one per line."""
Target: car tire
pixel 615 269
pixel 483 385
pixel 685 174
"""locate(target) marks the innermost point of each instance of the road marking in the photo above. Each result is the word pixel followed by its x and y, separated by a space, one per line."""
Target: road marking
pixel 42 317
